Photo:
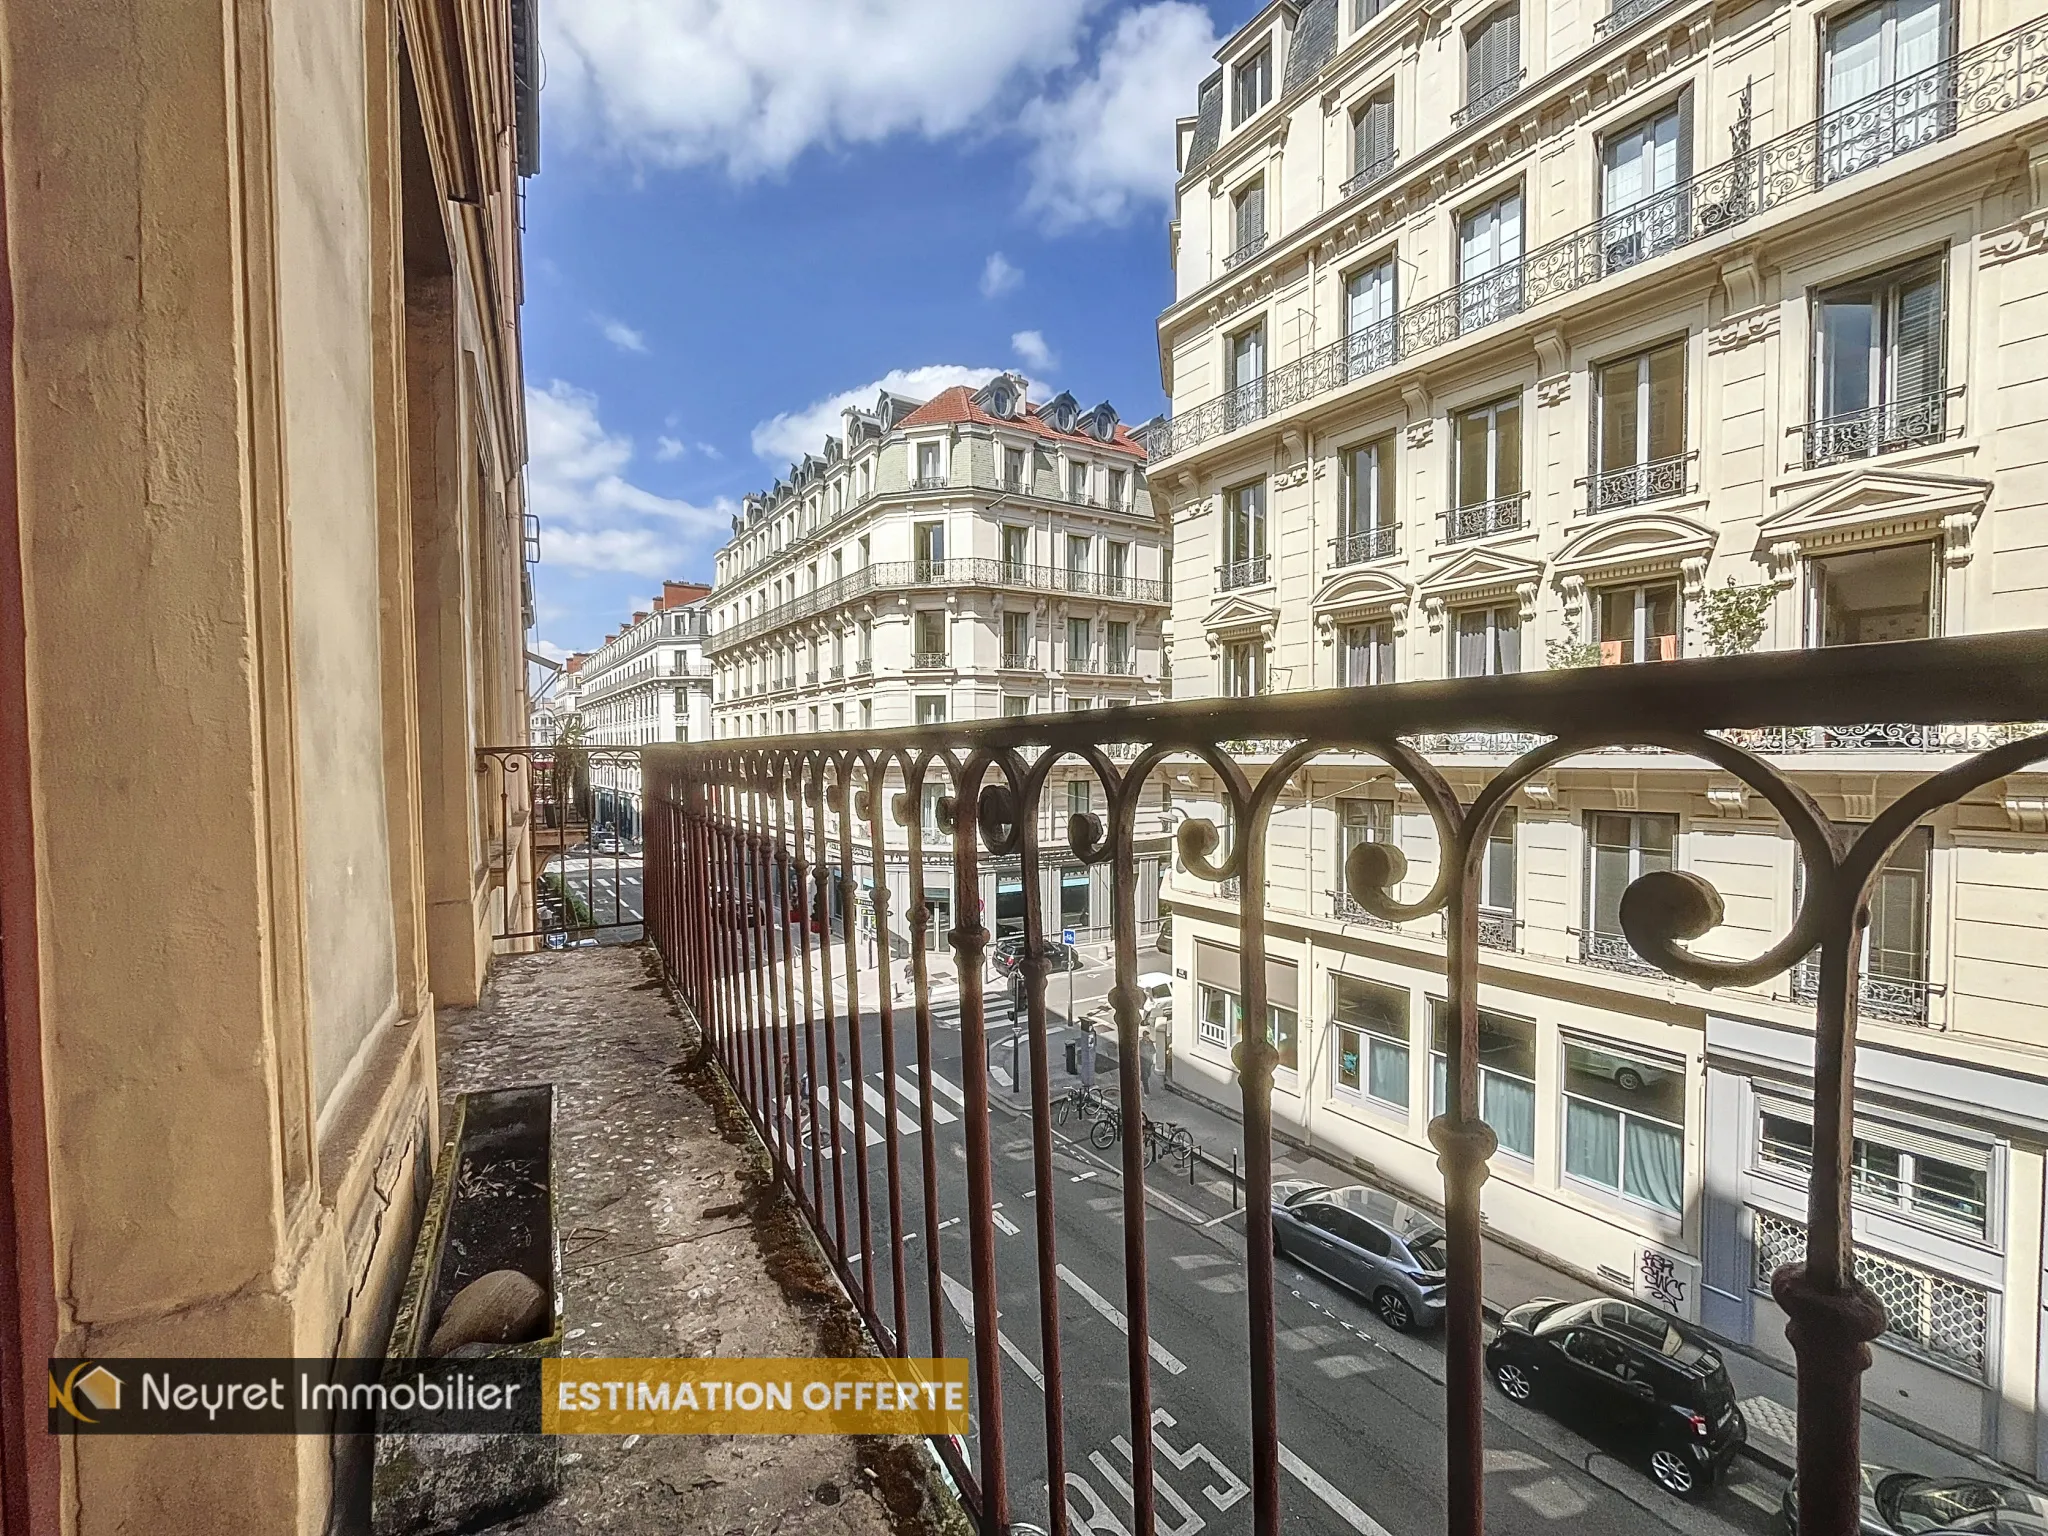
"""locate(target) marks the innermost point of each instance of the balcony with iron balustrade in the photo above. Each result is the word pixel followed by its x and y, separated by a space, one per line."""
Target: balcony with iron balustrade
pixel 1483 519
pixel 1242 573
pixel 1377 543
pixel 1635 485
pixel 1887 428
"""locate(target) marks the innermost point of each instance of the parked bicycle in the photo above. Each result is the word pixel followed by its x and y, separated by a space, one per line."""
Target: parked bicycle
pixel 1109 1126
pixel 1172 1141
pixel 1087 1103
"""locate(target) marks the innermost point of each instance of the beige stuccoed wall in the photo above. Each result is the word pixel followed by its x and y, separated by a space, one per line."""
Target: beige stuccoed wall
pixel 223 558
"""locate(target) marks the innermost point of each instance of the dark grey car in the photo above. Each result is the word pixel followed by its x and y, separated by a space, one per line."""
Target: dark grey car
pixel 1387 1251
pixel 1908 1504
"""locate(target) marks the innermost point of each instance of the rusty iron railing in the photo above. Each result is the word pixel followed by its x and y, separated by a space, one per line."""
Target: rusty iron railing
pixel 577 810
pixel 741 860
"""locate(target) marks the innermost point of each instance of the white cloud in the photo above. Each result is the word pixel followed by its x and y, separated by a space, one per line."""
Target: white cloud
pixel 549 649
pixel 709 451
pixel 667 448
pixel 1106 144
pixel 787 437
pixel 592 516
pixel 750 85
pixel 622 335
pixel 999 276
pixel 1031 348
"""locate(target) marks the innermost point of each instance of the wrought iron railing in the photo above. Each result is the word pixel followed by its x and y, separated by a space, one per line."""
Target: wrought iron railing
pixel 1626 13
pixel 1241 573
pixel 1485 103
pixel 1633 484
pixel 1999 75
pixel 573 809
pixel 1503 514
pixel 930 483
pixel 750 844
pixel 1346 909
pixel 1368 175
pixel 894 575
pixel 1882 429
pixel 1367 544
pixel 864 666
pixel 1613 952
pixel 1896 999
pixel 1019 661
pixel 1245 251
pixel 929 661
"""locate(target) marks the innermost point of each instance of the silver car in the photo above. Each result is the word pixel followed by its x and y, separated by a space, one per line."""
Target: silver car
pixel 1387 1251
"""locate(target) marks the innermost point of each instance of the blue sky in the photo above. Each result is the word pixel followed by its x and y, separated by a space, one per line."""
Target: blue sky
pixel 748 209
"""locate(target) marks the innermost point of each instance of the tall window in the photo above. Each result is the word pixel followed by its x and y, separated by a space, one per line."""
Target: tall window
pixel 1488 641
pixel 1369 336
pixel 1368 506
pixel 1016 705
pixel 1621 850
pixel 930 637
pixel 1248 220
pixel 1016 553
pixel 1644 160
pixel 1372 140
pixel 1895 944
pixel 1489 469
pixel 1369 1021
pixel 1639 428
pixel 931 709
pixel 1244 668
pixel 1872 595
pixel 867 641
pixel 1880 60
pixel 1497 872
pixel 1368 653
pixel 1359 821
pixel 1013 469
pixel 1493 62
pixel 1078 638
pixel 1251 85
pixel 1639 623
pixel 1507 1074
pixel 1624 1122
pixel 1077 483
pixel 1119 486
pixel 1078 547
pixel 1363 11
pixel 1490 262
pixel 1116 646
pixel 1878 371
pixel 928 463
pixel 1116 566
pixel 1247 376
pixel 928 541
pixel 1078 798
pixel 1016 639
pixel 1244 535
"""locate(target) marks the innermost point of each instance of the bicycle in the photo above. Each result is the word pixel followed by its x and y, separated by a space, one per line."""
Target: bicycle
pixel 1108 1127
pixel 1165 1138
pixel 1085 1102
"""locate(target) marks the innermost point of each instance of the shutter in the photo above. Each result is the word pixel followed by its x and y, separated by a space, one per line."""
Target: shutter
pixel 1478 54
pixel 1966 1154
pixel 1281 990
pixel 1510 45
pixel 1916 351
pixel 1217 966
pixel 1685 136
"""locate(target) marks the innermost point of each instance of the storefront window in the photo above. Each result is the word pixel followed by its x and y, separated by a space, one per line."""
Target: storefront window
pixel 1624 1123
pixel 1893 1166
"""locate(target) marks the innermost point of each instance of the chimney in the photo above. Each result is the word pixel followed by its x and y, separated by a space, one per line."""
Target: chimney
pixel 640 617
pixel 676 594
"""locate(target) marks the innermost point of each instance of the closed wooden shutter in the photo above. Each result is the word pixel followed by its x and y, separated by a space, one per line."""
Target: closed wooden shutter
pixel 1373 133
pixel 1916 355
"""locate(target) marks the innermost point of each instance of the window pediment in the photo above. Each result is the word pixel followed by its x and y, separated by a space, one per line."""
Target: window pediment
pixel 1361 594
pixel 1476 573
pixel 1867 505
pixel 1646 544
pixel 1237 615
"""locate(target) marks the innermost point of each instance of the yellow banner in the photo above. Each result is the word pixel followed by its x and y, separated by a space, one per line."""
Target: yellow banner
pixel 714 1396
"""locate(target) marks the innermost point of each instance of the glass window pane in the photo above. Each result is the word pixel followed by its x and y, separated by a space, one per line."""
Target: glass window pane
pixel 1592 1143
pixel 1475 482
pixel 1611 875
pixel 1658 834
pixel 1507 476
pixel 1654 1164
pixel 1848 353
pixel 1389 1071
pixel 1508 1104
pixel 1499 891
pixel 1620 426
pixel 1349 1064
pixel 1667 402
pixel 1507 637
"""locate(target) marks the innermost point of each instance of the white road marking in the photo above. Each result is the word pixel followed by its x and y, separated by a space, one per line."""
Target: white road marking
pixel 1168 1361
pixel 1321 1487
pixel 880 1108
pixel 874 1137
pixel 908 1088
pixel 1077 1178
pixel 1008 1227
pixel 950 1221
pixel 943 1085
pixel 1218 1221
pixel 963 1303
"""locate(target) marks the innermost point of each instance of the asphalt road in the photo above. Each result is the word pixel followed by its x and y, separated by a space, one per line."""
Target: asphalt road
pixel 610 885
pixel 1361 1408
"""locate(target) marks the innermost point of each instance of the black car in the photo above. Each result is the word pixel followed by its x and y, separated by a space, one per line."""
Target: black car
pixel 1908 1504
pixel 1625 1373
pixel 1009 952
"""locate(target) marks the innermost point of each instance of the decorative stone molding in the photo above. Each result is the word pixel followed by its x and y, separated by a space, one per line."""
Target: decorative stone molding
pixel 1420 432
pixel 2029 237
pixel 1627 797
pixel 1542 793
pixel 1742 280
pixel 1741 329
pixel 1693 574
pixel 1783 561
pixel 1552 354
pixel 1433 612
pixel 1958 532
pixel 1859 805
pixel 1728 799
pixel 1525 594
pixel 1287 479
pixel 1554 391
pixel 1573 590
pixel 2027 813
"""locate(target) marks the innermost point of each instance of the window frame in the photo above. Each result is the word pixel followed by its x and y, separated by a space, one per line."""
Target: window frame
pixel 1630 1052
pixel 1636 867
pixel 1256 67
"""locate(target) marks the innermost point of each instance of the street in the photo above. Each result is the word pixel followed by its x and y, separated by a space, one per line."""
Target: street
pixel 608 884
pixel 1361 1407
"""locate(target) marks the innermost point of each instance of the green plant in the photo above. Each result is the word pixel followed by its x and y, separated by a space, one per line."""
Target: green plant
pixel 571 899
pixel 1733 618
pixel 1571 651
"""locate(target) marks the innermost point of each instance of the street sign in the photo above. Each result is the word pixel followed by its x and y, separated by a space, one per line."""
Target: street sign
pixel 1066 935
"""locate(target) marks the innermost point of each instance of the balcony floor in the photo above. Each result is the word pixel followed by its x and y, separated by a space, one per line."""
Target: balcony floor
pixel 674 1243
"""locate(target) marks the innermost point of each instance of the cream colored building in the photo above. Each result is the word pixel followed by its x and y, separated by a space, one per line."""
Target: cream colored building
pixel 1512 335
pixel 261 599
pixel 961 558
pixel 648 682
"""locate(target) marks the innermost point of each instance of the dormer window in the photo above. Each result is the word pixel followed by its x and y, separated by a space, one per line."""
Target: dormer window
pixel 999 403
pixel 1363 11
pixel 1251 87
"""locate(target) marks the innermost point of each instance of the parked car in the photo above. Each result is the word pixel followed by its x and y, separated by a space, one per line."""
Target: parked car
pixel 1625 1374
pixel 1155 996
pixel 1386 1250
pixel 1627 1074
pixel 1908 1504
pixel 605 842
pixel 1165 941
pixel 1007 953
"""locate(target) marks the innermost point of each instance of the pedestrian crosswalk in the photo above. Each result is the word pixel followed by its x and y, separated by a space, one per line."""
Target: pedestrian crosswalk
pixel 872 1119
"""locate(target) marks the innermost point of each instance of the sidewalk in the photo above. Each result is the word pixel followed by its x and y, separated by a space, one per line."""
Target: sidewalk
pixel 1512 1276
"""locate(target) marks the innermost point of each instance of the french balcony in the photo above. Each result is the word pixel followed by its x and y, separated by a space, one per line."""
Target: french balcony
pixel 2004 74
pixel 1242 573
pixel 1482 519
pixel 1895 999
pixel 811 678
pixel 1345 908
pixel 1019 661
pixel 1625 14
pixel 930 483
pixel 1887 428
pixel 745 904
pixel 1489 101
pixel 930 661
pixel 1375 543
pixel 1245 251
pixel 838 671
pixel 1370 175
pixel 864 667
pixel 1633 485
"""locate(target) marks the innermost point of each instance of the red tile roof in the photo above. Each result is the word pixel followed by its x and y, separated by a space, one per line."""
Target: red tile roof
pixel 957 404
